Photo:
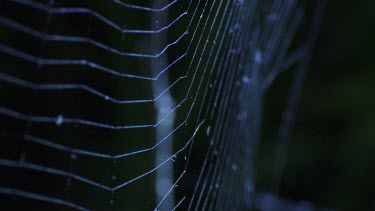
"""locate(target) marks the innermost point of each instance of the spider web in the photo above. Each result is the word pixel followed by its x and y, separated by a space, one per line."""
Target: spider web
pixel 137 105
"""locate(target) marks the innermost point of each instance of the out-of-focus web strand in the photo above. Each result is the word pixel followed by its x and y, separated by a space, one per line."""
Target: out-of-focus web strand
pixel 225 148
pixel 223 202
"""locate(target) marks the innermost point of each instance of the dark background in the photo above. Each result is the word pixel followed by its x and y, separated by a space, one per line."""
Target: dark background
pixel 331 154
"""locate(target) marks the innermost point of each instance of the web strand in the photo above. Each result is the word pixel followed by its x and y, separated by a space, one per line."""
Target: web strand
pixel 87 97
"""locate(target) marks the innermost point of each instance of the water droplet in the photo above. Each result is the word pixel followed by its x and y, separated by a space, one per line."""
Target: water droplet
pixel 234 28
pixel 258 56
pixel 111 202
pixel 59 120
pixel 114 177
pixel 106 98
pixel 217 185
pixel 208 130
pixel 234 166
pixel 185 157
pixel 241 116
pixel 248 188
pixel 245 79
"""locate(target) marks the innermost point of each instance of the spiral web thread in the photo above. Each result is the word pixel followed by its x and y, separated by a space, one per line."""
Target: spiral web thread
pixel 101 101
